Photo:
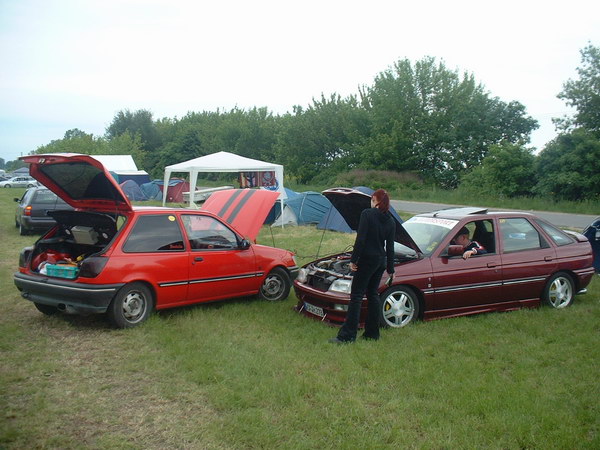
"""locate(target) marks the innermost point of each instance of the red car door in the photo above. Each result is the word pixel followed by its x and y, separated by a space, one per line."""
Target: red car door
pixel 527 259
pixel 463 283
pixel 218 267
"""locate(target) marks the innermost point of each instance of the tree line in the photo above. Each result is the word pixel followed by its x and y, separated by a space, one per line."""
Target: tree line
pixel 421 118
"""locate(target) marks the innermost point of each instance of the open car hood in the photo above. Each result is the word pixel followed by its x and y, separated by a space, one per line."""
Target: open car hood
pixel 244 209
pixel 351 202
pixel 80 180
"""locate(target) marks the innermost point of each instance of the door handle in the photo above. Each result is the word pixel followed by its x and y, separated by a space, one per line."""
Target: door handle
pixel 199 258
pixel 491 264
pixel 548 258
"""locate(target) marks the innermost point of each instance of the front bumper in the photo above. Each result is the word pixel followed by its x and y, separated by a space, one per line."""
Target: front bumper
pixel 324 306
pixel 66 295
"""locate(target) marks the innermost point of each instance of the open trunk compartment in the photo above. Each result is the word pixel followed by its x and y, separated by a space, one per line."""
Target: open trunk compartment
pixel 76 236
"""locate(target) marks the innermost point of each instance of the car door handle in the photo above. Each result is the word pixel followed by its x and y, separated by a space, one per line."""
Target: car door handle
pixel 491 264
pixel 548 258
pixel 199 258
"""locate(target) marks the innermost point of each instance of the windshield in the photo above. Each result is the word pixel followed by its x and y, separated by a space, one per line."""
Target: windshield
pixel 428 232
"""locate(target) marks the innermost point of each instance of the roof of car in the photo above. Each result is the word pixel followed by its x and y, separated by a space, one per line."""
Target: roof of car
pixel 461 213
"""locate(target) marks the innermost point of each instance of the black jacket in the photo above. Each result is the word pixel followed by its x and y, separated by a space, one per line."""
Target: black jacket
pixel 375 238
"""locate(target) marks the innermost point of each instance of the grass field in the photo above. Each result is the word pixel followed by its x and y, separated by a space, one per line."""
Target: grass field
pixel 249 374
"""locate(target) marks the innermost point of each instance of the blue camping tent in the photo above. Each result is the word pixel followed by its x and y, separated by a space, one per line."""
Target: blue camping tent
pixel 299 208
pixel 132 191
pixel 592 232
pixel 333 220
pixel 151 190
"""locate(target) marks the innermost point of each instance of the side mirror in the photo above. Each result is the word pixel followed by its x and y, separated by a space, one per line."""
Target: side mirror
pixel 244 244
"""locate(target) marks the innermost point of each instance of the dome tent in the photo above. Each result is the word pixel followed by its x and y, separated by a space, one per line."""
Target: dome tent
pixel 299 208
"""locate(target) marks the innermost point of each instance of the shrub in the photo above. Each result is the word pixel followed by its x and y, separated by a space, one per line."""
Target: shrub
pixel 380 179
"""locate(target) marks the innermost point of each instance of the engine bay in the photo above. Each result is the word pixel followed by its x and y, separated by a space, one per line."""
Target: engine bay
pixel 321 273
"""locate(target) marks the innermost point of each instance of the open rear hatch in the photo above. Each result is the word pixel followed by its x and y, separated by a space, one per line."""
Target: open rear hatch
pixel 80 180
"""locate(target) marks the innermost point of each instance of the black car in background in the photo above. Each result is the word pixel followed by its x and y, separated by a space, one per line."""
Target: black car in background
pixel 32 208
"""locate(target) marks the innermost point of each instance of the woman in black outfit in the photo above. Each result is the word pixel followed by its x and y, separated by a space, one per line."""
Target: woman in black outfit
pixel 373 253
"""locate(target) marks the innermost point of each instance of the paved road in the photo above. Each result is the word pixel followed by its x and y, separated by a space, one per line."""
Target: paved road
pixel 577 221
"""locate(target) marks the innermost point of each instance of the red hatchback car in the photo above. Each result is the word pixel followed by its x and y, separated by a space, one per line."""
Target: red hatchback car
pixel 526 261
pixel 107 256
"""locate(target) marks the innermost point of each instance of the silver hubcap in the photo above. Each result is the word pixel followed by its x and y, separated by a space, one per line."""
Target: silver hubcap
pixel 398 309
pixel 272 287
pixel 134 306
pixel 560 293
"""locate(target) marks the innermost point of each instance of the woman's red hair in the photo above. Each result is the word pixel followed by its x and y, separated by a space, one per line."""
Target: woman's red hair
pixel 383 200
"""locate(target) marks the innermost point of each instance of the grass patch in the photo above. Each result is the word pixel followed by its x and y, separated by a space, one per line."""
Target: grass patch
pixel 251 374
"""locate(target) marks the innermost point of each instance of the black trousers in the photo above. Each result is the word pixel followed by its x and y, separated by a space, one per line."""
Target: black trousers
pixel 366 280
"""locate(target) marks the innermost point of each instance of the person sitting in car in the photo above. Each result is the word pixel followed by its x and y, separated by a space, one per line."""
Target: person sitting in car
pixel 470 247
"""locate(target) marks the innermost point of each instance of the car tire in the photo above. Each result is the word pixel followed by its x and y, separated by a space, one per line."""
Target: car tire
pixel 399 307
pixel 46 309
pixel 276 285
pixel 22 230
pixel 7 185
pixel 559 291
pixel 131 306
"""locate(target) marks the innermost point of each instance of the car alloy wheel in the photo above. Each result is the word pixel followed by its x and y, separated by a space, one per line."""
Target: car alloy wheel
pixel 559 291
pixel 399 307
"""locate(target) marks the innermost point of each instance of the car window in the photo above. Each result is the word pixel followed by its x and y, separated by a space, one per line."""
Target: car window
pixel 428 232
pixel 206 233
pixel 482 232
pixel 26 197
pixel 155 233
pixel 519 234
pixel 47 198
pixel 558 236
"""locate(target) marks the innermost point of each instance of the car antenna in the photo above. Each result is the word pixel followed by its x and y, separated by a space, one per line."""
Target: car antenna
pixel 324 230
pixel 272 235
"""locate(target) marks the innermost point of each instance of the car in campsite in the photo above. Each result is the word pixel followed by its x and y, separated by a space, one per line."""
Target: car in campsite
pixel 31 213
pixel 527 261
pixel 107 256
pixel 20 182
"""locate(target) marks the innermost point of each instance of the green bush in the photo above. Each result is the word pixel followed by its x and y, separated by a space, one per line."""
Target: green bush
pixel 380 179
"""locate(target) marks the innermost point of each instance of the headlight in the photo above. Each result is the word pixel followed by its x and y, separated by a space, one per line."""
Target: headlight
pixel 341 285
pixel 302 276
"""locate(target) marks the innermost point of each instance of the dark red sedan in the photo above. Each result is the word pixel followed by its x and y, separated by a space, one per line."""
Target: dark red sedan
pixel 522 262
pixel 109 257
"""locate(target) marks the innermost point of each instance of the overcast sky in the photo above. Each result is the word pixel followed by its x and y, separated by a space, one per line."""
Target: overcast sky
pixel 75 63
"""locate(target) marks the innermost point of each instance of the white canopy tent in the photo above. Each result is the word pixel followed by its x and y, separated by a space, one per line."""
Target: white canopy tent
pixel 222 162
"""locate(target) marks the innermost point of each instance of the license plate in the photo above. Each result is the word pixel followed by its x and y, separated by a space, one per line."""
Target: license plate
pixel 314 309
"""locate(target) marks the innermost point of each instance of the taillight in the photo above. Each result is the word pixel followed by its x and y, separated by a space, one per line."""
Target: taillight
pixel 27 211
pixel 24 256
pixel 92 266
